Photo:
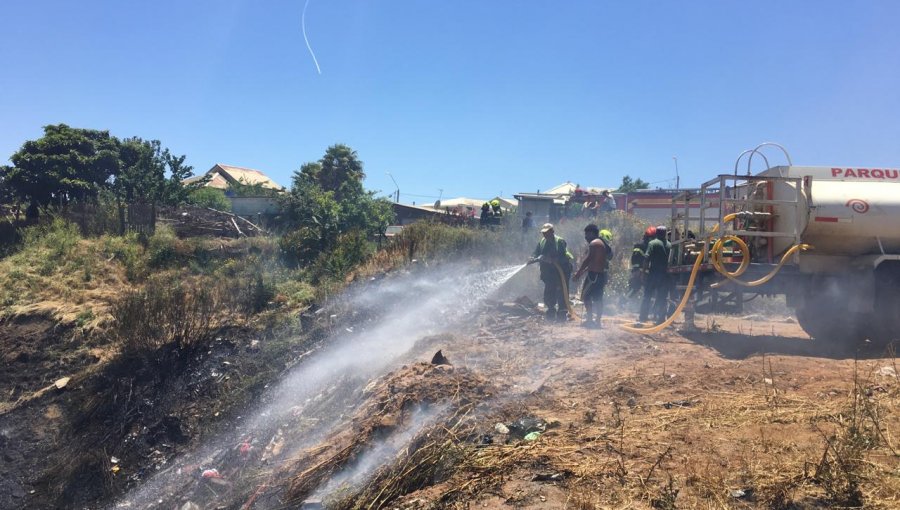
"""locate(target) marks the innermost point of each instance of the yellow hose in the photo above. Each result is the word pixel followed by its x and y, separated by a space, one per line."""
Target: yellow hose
pixel 684 300
pixel 716 258
pixel 565 290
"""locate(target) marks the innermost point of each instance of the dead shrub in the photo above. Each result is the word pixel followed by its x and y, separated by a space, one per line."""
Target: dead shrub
pixel 164 315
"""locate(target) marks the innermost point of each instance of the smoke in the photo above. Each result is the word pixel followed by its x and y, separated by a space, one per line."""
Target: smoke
pixel 352 477
pixel 391 316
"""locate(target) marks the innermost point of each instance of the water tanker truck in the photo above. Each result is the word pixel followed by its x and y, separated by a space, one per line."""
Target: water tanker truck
pixel 844 288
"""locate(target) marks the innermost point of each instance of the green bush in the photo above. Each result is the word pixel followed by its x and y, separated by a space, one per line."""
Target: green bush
pixel 350 250
pixel 210 197
pixel 294 292
pixel 300 246
pixel 162 248
pixel 129 252
pixel 53 241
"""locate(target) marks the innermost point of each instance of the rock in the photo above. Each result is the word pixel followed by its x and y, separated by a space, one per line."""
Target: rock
pixel 61 383
pixel 548 477
pixel 190 506
pixel 532 436
pixel 740 493
pixel 440 359
pixel 501 428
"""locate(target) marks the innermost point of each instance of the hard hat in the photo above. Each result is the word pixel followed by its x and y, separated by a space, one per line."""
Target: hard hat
pixel 606 235
pixel 495 202
pixel 661 231
pixel 546 228
pixel 650 232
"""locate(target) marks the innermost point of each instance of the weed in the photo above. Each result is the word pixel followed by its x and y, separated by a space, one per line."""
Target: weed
pixel 665 499
pixel 83 318
pixel 841 469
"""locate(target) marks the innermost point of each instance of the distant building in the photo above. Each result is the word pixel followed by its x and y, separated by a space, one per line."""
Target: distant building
pixel 552 204
pixel 654 206
pixel 226 176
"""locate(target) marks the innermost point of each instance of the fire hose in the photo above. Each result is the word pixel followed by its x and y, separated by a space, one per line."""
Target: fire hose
pixel 565 287
pixel 716 258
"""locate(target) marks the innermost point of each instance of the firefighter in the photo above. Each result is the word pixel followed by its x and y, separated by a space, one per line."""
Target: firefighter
pixel 485 218
pixel 638 257
pixel 595 264
pixel 495 208
pixel 656 287
pixel 551 252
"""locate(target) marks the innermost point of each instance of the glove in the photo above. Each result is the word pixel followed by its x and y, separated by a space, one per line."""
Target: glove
pixel 532 260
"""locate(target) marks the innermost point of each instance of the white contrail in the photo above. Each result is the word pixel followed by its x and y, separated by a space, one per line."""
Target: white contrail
pixel 303 26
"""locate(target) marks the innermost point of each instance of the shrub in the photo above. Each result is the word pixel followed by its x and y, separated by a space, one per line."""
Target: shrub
pixel 350 250
pixel 210 197
pixel 300 246
pixel 294 292
pixel 163 248
pixel 129 252
pixel 53 241
pixel 161 315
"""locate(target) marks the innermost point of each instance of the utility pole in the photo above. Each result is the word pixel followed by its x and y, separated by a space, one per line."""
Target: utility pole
pixel 397 197
pixel 677 178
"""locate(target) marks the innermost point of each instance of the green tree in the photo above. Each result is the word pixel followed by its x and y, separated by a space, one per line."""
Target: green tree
pixel 631 185
pixel 339 171
pixel 243 189
pixel 63 165
pixel 327 203
pixel 210 197
pixel 6 192
pixel 147 172
pixel 71 164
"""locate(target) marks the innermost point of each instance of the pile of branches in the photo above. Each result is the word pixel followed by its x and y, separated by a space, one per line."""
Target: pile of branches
pixel 190 221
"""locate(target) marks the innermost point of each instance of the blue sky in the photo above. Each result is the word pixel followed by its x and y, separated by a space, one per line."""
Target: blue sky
pixel 473 97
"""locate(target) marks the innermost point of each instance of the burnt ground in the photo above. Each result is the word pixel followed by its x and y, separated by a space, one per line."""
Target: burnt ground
pixel 743 413
pixel 118 419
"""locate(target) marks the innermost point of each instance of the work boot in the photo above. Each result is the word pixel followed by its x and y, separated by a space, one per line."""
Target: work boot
pixel 550 315
pixel 562 316
pixel 588 324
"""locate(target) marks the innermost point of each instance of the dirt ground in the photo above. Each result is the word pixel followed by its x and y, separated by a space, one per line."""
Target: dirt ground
pixel 742 413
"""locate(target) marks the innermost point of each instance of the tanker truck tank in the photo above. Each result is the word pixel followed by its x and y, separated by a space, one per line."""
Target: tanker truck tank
pixel 845 212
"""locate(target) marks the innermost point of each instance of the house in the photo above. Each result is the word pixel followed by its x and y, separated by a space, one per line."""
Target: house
pixel 654 206
pixel 224 177
pixel 552 204
pixel 406 214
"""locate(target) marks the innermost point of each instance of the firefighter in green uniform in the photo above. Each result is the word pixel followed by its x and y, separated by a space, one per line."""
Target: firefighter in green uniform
pixel 638 258
pixel 552 252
